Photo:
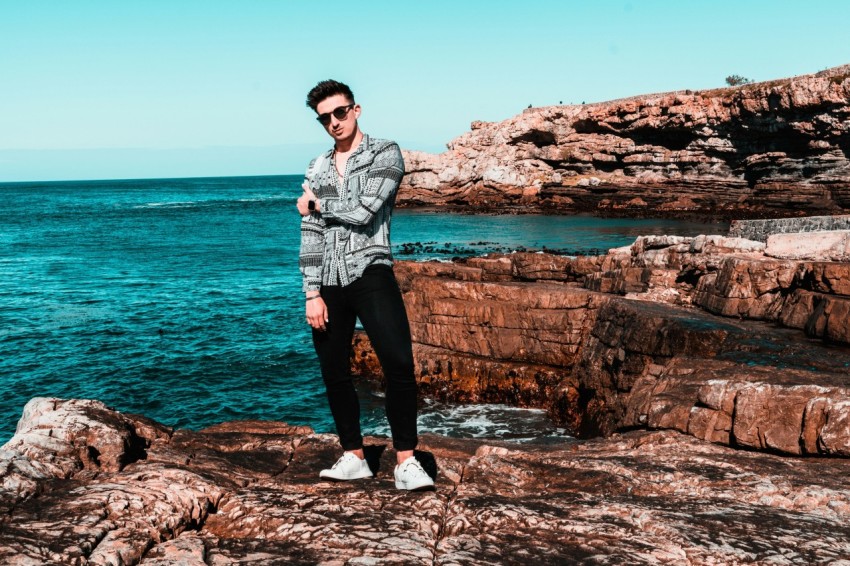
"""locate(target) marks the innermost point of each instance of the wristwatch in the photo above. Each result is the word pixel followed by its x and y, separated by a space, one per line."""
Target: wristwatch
pixel 311 205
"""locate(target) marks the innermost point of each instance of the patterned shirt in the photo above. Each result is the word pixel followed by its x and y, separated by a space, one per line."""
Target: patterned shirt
pixel 352 231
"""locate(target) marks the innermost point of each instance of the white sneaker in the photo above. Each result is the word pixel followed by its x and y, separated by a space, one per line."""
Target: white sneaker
pixel 410 475
pixel 348 467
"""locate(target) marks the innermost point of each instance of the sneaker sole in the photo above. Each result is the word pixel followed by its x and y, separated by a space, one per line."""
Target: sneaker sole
pixel 426 487
pixel 345 479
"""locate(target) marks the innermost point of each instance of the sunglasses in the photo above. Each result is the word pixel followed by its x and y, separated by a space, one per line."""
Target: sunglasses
pixel 340 112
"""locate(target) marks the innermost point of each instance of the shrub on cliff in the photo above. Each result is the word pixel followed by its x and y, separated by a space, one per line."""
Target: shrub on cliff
pixel 737 80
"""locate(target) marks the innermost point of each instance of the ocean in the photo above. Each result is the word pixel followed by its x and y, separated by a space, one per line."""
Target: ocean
pixel 180 299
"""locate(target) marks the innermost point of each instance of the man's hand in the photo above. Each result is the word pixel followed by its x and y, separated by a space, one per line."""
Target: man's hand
pixel 305 198
pixel 317 313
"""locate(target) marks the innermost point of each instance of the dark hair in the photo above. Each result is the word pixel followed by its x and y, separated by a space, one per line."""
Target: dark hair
pixel 326 89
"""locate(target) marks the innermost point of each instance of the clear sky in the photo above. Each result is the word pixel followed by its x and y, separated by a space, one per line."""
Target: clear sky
pixel 95 89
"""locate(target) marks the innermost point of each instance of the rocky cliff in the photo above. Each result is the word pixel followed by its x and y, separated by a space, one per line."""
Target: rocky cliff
pixel 730 340
pixel 777 148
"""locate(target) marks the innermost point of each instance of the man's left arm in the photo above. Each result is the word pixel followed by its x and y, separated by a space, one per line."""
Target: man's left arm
pixel 382 182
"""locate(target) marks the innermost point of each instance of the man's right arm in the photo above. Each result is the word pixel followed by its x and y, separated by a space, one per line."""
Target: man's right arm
pixel 382 181
pixel 311 254
pixel 311 263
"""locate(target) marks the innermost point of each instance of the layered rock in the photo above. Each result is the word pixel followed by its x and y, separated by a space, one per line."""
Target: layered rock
pixel 247 493
pixel 777 148
pixel 709 336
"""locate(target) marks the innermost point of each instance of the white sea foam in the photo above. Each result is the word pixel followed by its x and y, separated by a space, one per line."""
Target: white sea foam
pixel 208 203
pixel 263 198
pixel 172 204
pixel 481 421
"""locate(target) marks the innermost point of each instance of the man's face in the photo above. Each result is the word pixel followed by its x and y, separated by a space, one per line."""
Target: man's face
pixel 344 128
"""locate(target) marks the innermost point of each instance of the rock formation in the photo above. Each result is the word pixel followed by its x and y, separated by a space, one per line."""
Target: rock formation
pixel 714 336
pixel 672 353
pixel 777 148
pixel 247 493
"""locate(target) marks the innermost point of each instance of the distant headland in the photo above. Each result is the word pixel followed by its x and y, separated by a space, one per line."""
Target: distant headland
pixel 771 149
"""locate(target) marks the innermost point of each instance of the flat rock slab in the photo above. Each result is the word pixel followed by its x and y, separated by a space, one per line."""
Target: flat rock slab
pixel 248 493
pixel 820 246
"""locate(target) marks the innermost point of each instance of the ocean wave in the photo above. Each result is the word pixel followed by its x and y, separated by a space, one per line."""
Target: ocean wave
pixel 214 202
pixel 174 204
pixel 266 198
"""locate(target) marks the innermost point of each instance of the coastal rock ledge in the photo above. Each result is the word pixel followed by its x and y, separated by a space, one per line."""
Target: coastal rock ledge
pixel 776 148
pixel 730 340
pixel 84 484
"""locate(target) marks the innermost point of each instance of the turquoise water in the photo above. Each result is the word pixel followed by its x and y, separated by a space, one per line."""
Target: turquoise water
pixel 180 299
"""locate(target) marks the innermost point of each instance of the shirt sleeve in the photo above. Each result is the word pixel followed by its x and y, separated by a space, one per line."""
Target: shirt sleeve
pixel 382 181
pixel 310 256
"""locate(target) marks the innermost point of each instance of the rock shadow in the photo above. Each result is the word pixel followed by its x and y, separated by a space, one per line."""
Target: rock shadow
pixel 373 453
pixel 429 463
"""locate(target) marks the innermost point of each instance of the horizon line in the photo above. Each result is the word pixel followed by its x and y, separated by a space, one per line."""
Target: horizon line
pixel 177 178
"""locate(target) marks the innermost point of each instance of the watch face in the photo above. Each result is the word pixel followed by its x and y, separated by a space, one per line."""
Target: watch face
pixel 311 205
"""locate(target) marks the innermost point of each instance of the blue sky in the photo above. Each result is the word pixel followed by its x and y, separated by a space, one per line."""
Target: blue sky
pixel 127 89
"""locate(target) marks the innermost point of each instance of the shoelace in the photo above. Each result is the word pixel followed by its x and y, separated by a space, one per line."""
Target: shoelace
pixel 338 462
pixel 415 465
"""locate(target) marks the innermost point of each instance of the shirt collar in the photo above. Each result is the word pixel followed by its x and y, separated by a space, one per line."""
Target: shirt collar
pixel 365 143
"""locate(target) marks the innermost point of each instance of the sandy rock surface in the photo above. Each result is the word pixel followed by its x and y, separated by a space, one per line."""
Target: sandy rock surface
pixel 247 493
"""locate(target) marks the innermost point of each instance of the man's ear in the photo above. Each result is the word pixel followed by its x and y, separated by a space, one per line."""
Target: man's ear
pixel 356 110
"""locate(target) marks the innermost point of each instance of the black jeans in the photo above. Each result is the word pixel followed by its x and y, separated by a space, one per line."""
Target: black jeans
pixel 376 300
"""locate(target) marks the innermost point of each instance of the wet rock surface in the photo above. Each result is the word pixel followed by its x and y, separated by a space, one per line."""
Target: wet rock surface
pixel 776 148
pixel 247 493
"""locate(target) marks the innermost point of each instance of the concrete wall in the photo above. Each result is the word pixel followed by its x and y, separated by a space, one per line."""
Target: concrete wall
pixel 759 230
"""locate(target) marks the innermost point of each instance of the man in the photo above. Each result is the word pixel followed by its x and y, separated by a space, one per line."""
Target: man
pixel 346 264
